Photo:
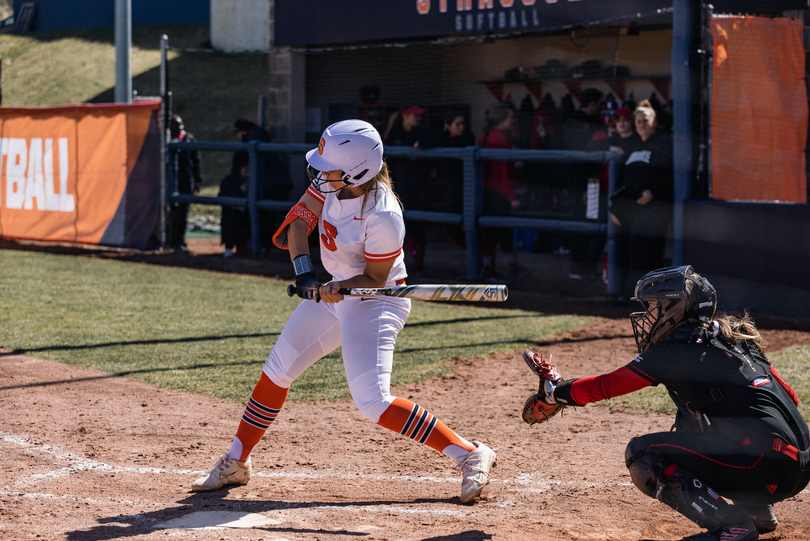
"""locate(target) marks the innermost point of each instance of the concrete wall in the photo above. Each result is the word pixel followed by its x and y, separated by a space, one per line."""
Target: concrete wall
pixel 241 25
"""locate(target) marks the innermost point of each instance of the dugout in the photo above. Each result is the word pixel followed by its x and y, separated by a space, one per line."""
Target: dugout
pixel 468 54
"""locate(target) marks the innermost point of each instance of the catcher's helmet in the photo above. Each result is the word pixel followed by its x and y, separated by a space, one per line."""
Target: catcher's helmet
pixel 351 146
pixel 670 297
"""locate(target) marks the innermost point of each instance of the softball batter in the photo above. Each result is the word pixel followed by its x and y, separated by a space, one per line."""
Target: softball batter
pixel 361 231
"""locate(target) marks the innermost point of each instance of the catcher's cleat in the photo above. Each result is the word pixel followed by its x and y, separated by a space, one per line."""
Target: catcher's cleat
pixel 763 517
pixel 727 533
pixel 475 471
pixel 225 472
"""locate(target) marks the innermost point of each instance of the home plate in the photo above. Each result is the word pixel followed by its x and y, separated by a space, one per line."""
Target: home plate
pixel 215 520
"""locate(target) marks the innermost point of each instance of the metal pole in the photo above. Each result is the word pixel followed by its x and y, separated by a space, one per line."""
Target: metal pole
pixel 165 107
pixel 682 155
pixel 472 209
pixel 252 197
pixel 614 287
pixel 123 51
pixel 262 108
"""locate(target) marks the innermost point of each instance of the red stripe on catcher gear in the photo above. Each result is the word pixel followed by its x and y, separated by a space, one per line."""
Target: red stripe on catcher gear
pixel 299 211
pixel 785 386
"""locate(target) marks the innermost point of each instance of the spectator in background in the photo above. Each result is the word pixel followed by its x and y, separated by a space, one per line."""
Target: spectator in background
pixel 273 171
pixel 500 194
pixel 448 172
pixel 579 132
pixel 642 205
pixel 188 173
pixel 405 129
pixel 235 219
pixel 616 136
pixel 624 131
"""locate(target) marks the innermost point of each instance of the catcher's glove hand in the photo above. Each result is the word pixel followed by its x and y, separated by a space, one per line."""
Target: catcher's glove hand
pixel 541 406
pixel 536 410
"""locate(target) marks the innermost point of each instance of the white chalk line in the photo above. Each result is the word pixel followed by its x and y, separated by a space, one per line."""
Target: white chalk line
pixel 527 482
pixel 80 463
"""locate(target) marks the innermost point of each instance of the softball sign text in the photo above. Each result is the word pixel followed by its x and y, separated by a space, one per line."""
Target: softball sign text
pixel 36 174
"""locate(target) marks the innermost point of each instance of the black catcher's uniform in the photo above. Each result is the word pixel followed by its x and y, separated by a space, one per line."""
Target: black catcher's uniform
pixel 737 426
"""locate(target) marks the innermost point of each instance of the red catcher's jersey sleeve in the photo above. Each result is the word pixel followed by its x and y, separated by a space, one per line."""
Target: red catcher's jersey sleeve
pixel 619 382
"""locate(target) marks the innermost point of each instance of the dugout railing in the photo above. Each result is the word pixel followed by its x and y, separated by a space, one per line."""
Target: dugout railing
pixel 471 217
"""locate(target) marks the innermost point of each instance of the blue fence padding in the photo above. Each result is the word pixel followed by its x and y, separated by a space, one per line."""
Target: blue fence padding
pixel 471 217
pixel 55 15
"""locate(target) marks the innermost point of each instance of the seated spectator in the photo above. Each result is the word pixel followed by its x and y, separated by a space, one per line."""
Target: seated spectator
pixel 642 205
pixel 235 222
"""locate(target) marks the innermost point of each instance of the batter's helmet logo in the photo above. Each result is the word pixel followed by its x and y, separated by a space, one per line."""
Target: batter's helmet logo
pixel 321 145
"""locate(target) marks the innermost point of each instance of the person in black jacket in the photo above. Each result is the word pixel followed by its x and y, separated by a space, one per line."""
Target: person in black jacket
pixel 410 176
pixel 273 173
pixel 235 224
pixel 738 432
pixel 447 174
pixel 642 208
pixel 188 171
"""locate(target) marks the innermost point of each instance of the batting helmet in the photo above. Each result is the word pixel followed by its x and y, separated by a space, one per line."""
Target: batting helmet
pixel 351 146
pixel 670 296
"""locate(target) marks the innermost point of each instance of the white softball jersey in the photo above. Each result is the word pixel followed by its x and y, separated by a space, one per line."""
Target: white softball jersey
pixel 352 234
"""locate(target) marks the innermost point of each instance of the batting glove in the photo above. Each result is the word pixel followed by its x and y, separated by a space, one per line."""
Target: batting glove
pixel 306 284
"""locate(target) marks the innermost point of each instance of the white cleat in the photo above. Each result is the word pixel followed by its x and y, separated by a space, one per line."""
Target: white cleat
pixel 225 472
pixel 475 471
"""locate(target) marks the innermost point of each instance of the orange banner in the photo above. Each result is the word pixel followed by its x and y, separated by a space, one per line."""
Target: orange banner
pixel 759 110
pixel 64 171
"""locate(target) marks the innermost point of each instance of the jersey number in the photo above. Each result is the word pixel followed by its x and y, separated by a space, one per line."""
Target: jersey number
pixel 328 238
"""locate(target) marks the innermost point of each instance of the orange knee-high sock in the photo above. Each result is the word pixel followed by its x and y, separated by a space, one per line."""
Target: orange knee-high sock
pixel 261 410
pixel 417 423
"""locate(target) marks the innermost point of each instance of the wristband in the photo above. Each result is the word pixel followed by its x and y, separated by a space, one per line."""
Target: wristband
pixel 302 264
pixel 562 392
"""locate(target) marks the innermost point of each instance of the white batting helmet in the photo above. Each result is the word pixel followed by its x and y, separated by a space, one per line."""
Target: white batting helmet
pixel 352 146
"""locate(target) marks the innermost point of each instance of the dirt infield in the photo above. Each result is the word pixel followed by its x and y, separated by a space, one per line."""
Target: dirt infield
pixel 87 456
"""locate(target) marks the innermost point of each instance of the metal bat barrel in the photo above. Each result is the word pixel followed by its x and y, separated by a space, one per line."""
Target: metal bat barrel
pixel 432 292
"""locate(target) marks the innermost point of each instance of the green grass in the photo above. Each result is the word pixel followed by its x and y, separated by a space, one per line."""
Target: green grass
pixel 209 333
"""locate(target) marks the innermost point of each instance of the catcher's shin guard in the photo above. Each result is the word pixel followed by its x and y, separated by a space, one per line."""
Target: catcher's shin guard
pixel 680 490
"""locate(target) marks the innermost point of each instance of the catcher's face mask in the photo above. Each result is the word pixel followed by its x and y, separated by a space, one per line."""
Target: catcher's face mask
pixel 319 180
pixel 644 323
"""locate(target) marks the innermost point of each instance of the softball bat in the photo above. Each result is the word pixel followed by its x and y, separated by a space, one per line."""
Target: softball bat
pixel 431 292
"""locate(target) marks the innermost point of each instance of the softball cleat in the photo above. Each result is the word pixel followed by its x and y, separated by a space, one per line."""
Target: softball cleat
pixel 475 471
pixel 225 472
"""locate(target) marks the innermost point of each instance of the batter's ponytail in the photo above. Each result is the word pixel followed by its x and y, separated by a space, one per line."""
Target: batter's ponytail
pixel 383 178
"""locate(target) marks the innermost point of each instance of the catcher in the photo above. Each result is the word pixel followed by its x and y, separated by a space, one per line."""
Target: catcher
pixel 737 434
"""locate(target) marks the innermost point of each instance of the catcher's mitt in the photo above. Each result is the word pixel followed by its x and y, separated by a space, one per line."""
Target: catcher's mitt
pixel 539 408
pixel 535 410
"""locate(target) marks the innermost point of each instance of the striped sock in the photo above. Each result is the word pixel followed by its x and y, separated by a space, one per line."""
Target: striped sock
pixel 417 423
pixel 260 412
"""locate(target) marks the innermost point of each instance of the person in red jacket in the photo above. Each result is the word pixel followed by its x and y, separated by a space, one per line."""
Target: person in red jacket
pixel 738 433
pixel 500 192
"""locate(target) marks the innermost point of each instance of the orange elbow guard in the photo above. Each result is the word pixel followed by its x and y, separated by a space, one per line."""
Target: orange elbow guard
pixel 301 211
